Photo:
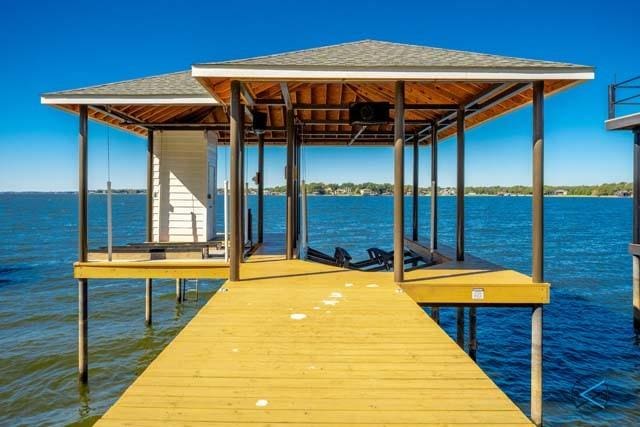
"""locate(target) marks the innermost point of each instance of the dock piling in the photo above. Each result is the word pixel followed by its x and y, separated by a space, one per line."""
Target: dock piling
pixel 536 365
pixel 179 290
pixel 460 327
pixel 636 229
pixel 83 284
pixel 473 340
pixel 537 270
pixel 147 306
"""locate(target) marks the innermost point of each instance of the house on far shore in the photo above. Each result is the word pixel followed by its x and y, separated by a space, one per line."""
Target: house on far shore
pixel 366 192
pixel 328 191
pixel 560 192
pixel 623 193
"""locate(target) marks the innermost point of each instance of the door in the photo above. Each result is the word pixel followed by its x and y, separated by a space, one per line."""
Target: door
pixel 212 182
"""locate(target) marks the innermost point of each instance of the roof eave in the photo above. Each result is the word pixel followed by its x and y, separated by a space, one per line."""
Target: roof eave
pixel 264 72
pixel 88 99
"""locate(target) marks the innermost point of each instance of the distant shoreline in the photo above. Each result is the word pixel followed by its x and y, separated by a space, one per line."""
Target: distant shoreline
pixel 139 193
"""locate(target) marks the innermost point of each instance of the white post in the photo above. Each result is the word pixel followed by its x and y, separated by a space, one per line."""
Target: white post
pixel 226 221
pixel 109 224
pixel 303 223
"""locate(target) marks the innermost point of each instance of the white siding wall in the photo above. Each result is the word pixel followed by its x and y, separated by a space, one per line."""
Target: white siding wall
pixel 179 186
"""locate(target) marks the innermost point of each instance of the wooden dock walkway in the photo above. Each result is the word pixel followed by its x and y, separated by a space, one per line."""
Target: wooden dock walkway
pixel 298 343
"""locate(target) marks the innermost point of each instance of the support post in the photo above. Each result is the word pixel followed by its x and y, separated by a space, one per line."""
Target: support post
pixel 83 326
pixel 460 186
pixel 473 338
pixel 538 253
pixel 178 291
pixel 242 189
pixel 416 148
pixel 435 314
pixel 538 182
pixel 235 127
pixel 434 186
pixel 289 182
pixel 398 186
pixel 148 301
pixel 149 282
pixel 460 327
pixel 536 365
pixel 260 188
pixel 636 229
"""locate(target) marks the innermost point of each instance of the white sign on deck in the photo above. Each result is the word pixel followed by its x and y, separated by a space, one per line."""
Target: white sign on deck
pixel 477 294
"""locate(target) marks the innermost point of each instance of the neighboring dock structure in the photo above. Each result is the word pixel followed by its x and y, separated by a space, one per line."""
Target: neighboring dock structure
pixel 625 95
pixel 315 343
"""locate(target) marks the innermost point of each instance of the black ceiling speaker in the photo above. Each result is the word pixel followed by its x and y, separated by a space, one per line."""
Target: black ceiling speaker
pixel 259 122
pixel 369 113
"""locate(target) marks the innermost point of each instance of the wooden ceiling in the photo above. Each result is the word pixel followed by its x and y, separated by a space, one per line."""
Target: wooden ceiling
pixel 321 109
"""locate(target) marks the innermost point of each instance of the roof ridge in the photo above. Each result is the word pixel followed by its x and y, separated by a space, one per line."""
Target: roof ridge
pixel 291 52
pixel 118 82
pixel 469 52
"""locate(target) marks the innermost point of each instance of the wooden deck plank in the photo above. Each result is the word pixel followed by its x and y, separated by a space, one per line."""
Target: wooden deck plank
pixel 299 343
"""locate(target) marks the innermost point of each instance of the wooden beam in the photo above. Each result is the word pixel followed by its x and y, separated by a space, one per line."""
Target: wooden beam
pixel 286 96
pixel 343 107
pixel 398 186
pixel 428 293
pixel 235 119
pixel 160 269
pixel 248 97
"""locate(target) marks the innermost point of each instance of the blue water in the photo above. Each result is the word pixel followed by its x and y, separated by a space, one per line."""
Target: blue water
pixel 588 335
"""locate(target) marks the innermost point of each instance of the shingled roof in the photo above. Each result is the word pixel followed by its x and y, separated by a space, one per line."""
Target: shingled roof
pixel 321 83
pixel 380 54
pixel 172 84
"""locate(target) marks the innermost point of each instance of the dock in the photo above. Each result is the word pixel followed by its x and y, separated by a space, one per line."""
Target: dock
pixel 300 343
pixel 287 341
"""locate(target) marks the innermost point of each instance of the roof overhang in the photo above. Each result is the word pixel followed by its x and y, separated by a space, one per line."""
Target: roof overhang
pixel 55 99
pixel 266 73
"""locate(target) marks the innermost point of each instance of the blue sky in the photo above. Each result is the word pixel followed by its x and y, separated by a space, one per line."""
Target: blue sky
pixel 62 45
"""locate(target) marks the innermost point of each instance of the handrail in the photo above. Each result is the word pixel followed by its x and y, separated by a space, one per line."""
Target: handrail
pixel 613 89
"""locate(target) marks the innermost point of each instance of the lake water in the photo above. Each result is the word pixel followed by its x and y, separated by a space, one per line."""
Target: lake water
pixel 588 328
